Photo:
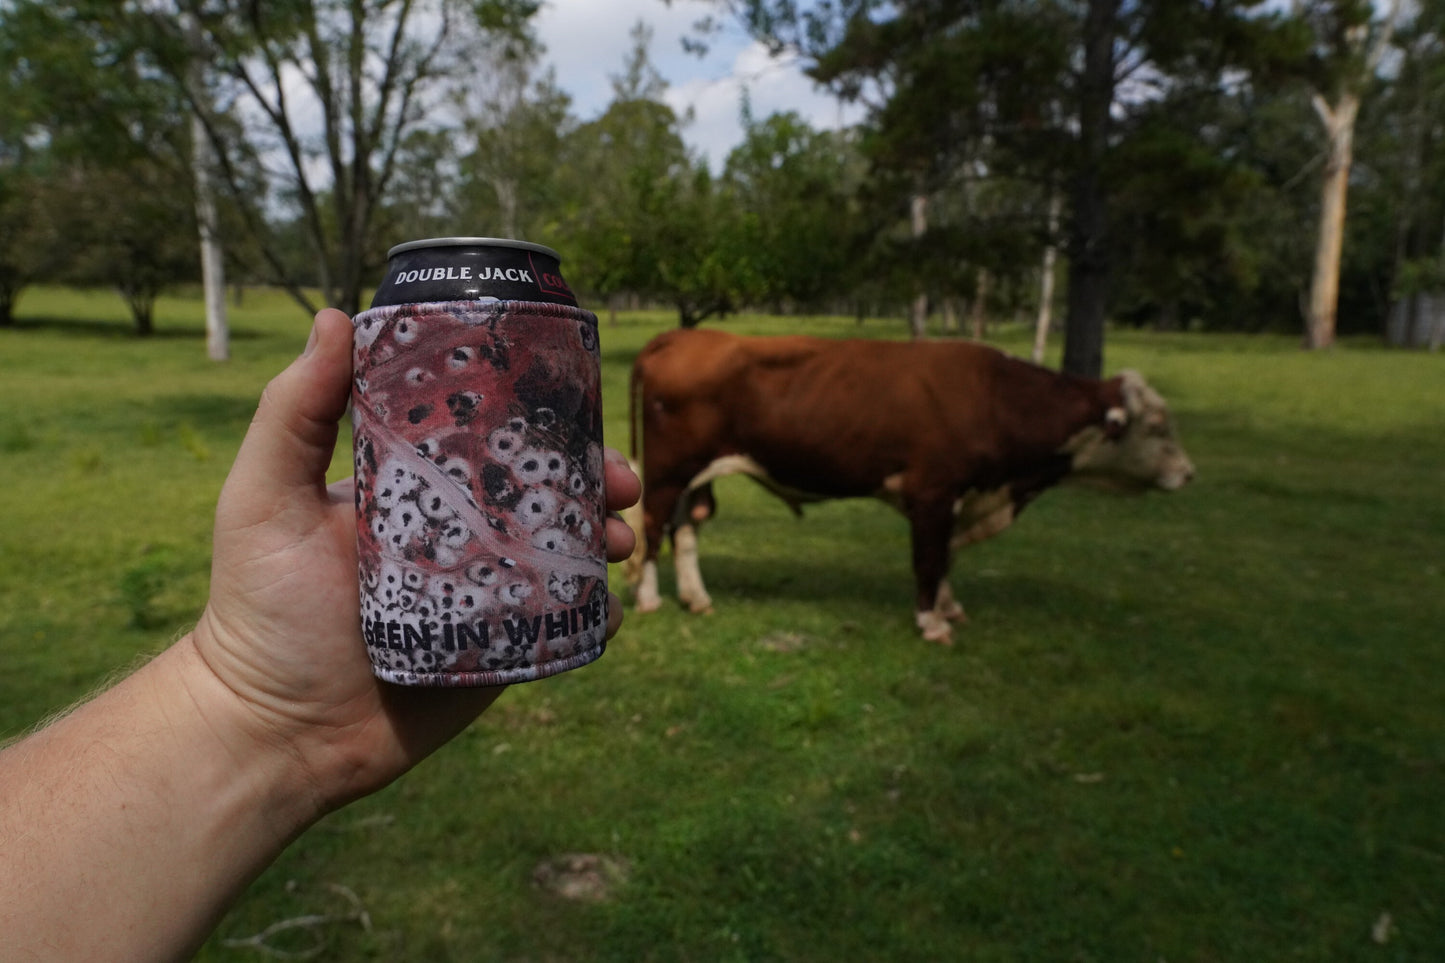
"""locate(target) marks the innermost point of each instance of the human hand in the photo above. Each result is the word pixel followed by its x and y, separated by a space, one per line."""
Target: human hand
pixel 282 629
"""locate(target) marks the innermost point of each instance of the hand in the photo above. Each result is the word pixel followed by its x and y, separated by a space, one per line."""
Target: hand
pixel 282 631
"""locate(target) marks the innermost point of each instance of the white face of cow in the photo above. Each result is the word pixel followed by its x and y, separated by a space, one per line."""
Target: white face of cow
pixel 1136 448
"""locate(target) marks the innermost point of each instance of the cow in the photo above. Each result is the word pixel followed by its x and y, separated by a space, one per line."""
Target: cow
pixel 957 436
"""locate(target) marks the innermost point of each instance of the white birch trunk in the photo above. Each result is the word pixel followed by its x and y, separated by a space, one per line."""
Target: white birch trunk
pixel 1339 122
pixel 918 314
pixel 213 261
pixel 978 314
pixel 1046 283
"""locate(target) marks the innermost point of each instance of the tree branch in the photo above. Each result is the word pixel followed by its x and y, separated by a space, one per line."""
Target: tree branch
pixel 1382 39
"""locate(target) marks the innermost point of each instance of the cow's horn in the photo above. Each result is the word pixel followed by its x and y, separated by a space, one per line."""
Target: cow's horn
pixel 1138 396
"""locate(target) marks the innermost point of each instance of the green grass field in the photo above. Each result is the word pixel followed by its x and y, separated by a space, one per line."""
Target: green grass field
pixel 1200 727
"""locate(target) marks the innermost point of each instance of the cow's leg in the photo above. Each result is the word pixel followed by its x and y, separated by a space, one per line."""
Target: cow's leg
pixel 647 597
pixel 632 565
pixel 946 606
pixel 699 506
pixel 931 522
pixel 658 504
pixel 690 590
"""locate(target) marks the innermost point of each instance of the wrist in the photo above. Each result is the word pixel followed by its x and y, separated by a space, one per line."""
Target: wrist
pixel 149 795
pixel 246 769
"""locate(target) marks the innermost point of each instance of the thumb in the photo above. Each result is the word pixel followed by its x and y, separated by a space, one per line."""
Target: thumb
pixel 293 434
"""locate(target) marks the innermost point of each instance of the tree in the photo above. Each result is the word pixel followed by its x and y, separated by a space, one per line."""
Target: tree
pixel 374 72
pixel 26 242
pixel 1404 135
pixel 614 172
pixel 517 120
pixel 30 245
pixel 1181 221
pixel 1045 91
pixel 637 213
pixel 800 225
pixel 96 145
pixel 1349 44
pixel 698 256
pixel 427 196
pixel 1044 315
pixel 213 255
pixel 140 236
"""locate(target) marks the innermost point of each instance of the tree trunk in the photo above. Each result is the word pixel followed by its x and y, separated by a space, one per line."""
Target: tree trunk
pixel 978 312
pixel 213 263
pixel 918 311
pixel 1088 234
pixel 142 311
pixel 1324 297
pixel 1437 332
pixel 950 316
pixel 1046 283
pixel 506 190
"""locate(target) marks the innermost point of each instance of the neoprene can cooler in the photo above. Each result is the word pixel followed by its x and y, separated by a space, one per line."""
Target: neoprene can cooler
pixel 477 437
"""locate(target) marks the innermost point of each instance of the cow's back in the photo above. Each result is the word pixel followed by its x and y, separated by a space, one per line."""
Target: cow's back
pixel 689 389
pixel 688 364
pixel 831 416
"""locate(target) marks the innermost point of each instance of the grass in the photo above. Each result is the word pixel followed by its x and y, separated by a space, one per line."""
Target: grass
pixel 1200 727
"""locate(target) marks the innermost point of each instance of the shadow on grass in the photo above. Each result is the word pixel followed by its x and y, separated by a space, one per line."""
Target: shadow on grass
pixel 118 330
pixel 840 584
pixel 203 412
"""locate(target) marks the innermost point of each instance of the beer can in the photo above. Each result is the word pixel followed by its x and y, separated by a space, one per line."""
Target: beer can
pixel 477 437
pixel 472 269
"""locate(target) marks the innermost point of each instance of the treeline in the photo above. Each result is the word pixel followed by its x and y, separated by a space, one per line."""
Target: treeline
pixel 1168 163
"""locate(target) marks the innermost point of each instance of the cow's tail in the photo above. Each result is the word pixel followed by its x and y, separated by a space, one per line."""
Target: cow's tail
pixel 634 411
pixel 633 516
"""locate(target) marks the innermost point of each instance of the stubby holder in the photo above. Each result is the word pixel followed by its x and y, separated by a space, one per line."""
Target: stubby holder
pixel 477 426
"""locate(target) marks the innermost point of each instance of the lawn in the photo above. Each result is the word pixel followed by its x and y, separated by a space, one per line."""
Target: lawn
pixel 1207 726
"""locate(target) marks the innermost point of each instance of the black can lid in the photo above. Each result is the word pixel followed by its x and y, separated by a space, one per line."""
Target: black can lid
pixel 473 242
pixel 472 269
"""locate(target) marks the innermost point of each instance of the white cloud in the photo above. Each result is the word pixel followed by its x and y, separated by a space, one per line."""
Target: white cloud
pixel 587 42
pixel 772 86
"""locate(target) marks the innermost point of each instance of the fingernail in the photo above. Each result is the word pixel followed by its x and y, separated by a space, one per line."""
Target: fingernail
pixel 310 342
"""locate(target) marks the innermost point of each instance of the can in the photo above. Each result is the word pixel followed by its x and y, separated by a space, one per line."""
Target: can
pixel 472 269
pixel 477 439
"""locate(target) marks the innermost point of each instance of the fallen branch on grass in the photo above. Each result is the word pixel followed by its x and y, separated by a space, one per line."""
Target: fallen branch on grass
pixel 261 941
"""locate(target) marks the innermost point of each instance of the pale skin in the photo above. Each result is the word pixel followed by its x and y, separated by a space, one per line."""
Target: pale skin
pixel 130 824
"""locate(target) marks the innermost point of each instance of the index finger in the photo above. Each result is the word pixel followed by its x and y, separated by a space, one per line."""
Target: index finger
pixel 623 486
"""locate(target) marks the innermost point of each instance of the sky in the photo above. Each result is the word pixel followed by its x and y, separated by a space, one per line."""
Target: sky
pixel 588 41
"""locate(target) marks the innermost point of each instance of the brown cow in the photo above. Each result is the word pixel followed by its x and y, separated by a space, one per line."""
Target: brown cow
pixel 957 436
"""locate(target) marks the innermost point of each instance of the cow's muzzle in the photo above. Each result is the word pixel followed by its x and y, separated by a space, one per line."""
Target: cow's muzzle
pixel 1176 476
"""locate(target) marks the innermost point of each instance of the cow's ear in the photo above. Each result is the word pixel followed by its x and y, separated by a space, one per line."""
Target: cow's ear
pixel 1115 421
pixel 1139 398
pixel 1133 386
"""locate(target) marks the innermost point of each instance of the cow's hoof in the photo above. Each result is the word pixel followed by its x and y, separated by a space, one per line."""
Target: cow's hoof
pixel 953 613
pixel 647 605
pixel 935 628
pixel 696 600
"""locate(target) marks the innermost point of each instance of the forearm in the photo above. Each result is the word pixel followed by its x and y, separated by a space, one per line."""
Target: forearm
pixel 128 826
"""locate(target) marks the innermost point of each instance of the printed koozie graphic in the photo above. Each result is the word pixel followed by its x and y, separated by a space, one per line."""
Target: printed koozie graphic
pixel 479 501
